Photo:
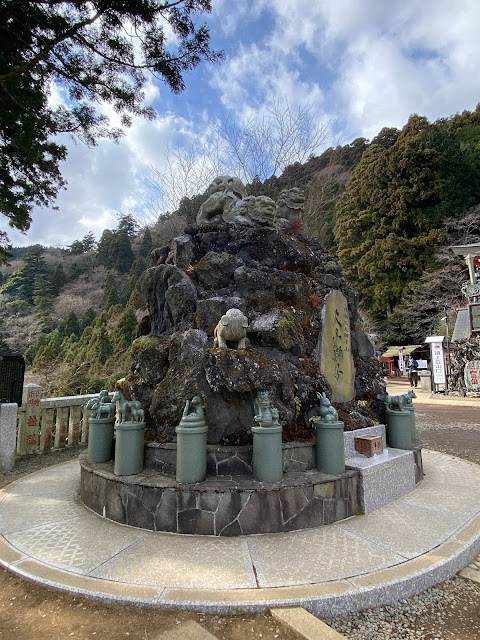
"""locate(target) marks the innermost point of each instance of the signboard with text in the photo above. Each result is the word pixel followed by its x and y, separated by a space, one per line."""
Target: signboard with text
pixel 438 363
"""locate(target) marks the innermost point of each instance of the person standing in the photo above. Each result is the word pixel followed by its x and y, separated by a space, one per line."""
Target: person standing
pixel 412 367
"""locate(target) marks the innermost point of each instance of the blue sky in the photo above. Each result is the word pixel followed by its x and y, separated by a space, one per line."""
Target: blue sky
pixel 363 64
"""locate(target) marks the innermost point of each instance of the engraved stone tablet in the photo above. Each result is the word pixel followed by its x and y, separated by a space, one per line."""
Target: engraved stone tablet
pixel 335 352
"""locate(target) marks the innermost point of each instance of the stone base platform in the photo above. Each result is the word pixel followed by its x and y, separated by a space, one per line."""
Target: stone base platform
pixel 384 477
pixel 222 505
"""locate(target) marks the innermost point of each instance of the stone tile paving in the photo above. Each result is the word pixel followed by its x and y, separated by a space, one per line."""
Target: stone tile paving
pixel 76 544
pixel 192 562
pixel 315 555
pixel 403 528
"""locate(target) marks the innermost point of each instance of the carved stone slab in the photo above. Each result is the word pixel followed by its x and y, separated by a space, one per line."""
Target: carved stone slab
pixel 335 351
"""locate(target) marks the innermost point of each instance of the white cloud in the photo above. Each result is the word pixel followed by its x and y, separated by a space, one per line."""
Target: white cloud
pixel 371 63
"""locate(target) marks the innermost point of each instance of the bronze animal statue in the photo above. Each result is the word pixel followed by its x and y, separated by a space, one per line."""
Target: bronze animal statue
pixel 101 406
pixel 397 403
pixel 327 411
pixel 263 412
pixel 128 410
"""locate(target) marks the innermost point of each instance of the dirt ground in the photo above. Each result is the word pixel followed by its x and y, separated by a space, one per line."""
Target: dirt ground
pixel 449 611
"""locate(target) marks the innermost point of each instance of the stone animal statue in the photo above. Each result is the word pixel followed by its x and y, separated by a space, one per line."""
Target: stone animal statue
pixel 223 194
pixel 263 411
pixel 327 412
pixel 290 203
pixel 256 208
pixel 232 327
pixel 128 410
pixel 101 407
pixel 397 403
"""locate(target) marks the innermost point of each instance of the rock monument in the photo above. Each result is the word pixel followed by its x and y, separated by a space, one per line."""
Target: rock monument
pixel 297 331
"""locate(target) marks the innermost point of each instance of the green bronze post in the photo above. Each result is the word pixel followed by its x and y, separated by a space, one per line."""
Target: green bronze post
pixel 129 448
pixel 129 438
pixel 330 438
pixel 399 433
pixel 100 432
pixel 400 417
pixel 192 444
pixel 411 412
pixel 267 441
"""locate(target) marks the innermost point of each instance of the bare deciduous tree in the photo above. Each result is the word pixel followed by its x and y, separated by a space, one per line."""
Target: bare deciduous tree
pixel 186 172
pixel 263 146
pixel 252 148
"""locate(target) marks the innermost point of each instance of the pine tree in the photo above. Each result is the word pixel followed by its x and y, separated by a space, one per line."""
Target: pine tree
pixel 58 278
pixel 88 318
pixel 110 294
pixel 146 245
pixel 121 254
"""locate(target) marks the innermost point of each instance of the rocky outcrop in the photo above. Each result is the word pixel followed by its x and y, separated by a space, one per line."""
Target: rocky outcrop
pixel 279 281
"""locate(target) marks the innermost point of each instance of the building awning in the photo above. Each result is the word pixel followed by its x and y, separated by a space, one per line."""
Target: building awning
pixel 393 352
pixel 466 249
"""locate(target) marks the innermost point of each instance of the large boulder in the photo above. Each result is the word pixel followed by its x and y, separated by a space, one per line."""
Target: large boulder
pixel 303 329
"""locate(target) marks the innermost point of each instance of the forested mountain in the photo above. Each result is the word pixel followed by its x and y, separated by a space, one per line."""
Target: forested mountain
pixel 389 208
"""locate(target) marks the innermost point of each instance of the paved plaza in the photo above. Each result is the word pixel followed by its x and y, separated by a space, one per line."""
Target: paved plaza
pixel 420 539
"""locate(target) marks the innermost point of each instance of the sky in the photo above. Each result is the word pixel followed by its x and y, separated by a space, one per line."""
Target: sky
pixel 362 65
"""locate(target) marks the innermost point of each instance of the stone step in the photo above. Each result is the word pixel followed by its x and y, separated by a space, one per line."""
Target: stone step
pixel 305 624
pixel 189 630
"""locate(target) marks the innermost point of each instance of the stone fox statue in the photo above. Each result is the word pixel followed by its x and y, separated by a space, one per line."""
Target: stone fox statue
pixel 397 403
pixel 232 327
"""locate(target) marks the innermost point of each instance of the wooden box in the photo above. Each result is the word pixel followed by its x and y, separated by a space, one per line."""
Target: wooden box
pixel 369 445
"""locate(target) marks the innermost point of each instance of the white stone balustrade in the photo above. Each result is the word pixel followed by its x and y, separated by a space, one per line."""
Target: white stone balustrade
pixel 51 423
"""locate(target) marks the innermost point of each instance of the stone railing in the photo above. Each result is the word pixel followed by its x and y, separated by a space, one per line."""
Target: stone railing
pixel 51 423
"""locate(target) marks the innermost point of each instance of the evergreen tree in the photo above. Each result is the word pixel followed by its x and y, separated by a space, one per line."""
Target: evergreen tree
pixel 136 300
pixel 122 333
pixel 43 295
pixel 100 346
pixel 76 248
pixel 21 284
pixel 121 254
pixel 5 348
pixel 128 224
pixel 86 47
pixel 36 347
pixel 146 245
pixel 70 326
pixel 138 267
pixel 389 217
pixel 103 249
pixel 88 242
pixel 58 278
pixel 88 318
pixel 110 294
